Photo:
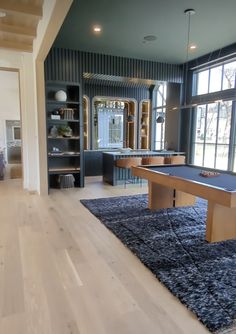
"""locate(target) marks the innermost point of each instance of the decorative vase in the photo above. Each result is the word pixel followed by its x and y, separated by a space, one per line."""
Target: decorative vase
pixel 60 96
pixel 54 131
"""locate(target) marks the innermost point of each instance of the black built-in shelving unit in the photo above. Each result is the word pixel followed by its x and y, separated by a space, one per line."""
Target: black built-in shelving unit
pixel 65 152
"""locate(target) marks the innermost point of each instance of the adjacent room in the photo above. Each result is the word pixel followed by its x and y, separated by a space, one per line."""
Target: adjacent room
pixel 117 167
pixel 10 131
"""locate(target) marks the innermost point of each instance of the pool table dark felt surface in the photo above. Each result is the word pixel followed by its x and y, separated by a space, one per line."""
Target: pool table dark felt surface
pixel 176 185
pixel 224 180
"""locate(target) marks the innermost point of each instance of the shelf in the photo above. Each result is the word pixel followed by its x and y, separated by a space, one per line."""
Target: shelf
pixel 63 155
pixel 62 120
pixel 62 102
pixel 64 170
pixel 63 138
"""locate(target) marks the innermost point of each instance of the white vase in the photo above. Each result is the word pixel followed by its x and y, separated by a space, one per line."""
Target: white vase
pixel 60 96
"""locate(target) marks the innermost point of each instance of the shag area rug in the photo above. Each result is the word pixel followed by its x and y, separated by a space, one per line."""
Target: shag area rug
pixel 171 243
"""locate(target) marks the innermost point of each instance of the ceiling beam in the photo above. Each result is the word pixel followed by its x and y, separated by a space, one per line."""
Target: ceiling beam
pixel 18 46
pixel 21 8
pixel 18 30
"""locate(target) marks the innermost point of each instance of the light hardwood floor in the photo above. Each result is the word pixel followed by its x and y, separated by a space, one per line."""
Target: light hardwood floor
pixel 63 272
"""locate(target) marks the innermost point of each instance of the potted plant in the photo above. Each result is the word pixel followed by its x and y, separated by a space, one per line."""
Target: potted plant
pixel 65 131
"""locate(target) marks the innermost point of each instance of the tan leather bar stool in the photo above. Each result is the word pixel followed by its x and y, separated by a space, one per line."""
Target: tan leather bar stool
pixel 153 160
pixel 125 164
pixel 175 160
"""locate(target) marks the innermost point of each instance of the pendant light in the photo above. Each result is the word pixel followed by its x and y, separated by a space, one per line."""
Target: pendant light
pixel 188 12
pixel 160 119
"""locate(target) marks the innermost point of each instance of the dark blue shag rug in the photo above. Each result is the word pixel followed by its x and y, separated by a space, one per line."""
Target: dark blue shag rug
pixel 171 243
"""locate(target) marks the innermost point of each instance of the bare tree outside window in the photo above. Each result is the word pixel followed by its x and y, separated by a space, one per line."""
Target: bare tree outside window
pixel 213 120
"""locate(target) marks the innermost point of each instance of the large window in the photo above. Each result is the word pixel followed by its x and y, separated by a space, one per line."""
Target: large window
pixel 212 135
pixel 110 128
pixel 109 124
pixel 214 125
pixel 160 117
pixel 215 79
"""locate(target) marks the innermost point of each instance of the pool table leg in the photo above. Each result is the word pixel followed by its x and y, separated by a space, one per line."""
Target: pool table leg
pixel 221 222
pixel 161 197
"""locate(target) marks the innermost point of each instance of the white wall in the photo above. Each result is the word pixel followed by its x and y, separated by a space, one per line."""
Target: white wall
pixel 9 101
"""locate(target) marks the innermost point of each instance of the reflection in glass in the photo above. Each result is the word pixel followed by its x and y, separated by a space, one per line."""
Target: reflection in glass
pixel 229 75
pixel 222 152
pixel 109 125
pixel 215 79
pixel 161 95
pixel 114 124
pixel 200 123
pixel 160 127
pixel 198 156
pixel 110 129
pixel 209 155
pixel 202 82
pixel 225 112
pixel 211 125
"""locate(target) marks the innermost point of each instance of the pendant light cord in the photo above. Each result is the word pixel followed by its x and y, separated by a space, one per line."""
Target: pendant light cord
pixel 188 12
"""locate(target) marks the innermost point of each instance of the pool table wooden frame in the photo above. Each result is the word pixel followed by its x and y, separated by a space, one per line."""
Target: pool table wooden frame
pixel 166 191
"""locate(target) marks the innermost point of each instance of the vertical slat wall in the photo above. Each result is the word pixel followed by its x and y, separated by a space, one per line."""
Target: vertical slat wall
pixel 138 93
pixel 69 65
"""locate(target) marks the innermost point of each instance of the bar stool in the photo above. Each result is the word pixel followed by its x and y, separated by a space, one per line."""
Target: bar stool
pixel 153 160
pixel 125 165
pixel 175 160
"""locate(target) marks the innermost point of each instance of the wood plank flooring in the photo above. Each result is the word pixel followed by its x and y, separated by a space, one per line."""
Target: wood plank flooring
pixel 63 272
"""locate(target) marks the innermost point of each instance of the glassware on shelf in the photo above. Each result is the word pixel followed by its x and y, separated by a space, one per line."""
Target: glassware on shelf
pixel 54 131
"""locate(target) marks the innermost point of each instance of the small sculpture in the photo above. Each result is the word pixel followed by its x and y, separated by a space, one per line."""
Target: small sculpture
pixel 60 96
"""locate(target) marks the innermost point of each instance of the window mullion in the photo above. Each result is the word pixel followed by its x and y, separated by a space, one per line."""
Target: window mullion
pixel 209 79
pixel 204 141
pixel 217 130
pixel 222 76
pixel 232 137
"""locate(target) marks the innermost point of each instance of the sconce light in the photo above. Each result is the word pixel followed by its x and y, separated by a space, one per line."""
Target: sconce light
pixel 130 118
pixel 160 119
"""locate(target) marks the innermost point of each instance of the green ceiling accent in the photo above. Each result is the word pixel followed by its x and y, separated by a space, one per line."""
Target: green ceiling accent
pixel 125 23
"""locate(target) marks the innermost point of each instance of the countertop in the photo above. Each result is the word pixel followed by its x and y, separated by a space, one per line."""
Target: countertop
pixel 143 152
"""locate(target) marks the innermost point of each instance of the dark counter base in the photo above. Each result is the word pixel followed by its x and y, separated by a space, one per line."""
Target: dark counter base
pixel 114 175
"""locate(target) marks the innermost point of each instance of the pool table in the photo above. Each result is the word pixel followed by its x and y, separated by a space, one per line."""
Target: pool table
pixel 177 185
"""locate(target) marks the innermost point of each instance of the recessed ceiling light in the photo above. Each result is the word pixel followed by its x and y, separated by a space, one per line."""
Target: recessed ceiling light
pixel 2 14
pixel 149 38
pixel 193 47
pixel 97 29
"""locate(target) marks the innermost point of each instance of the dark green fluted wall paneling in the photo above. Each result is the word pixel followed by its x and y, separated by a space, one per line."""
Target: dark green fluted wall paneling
pixel 116 91
pixel 68 65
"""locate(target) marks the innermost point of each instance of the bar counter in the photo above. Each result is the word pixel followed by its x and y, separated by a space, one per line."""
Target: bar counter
pixel 114 175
